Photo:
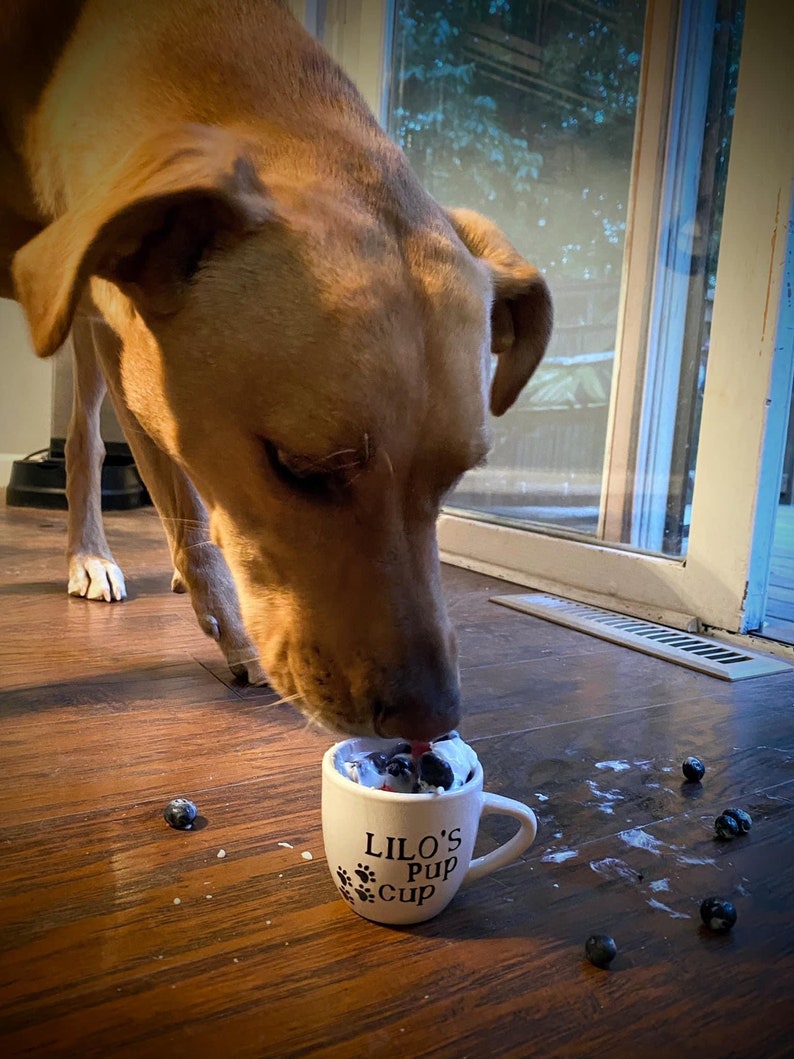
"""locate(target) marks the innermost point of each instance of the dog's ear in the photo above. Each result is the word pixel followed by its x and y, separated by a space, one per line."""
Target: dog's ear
pixel 144 228
pixel 521 315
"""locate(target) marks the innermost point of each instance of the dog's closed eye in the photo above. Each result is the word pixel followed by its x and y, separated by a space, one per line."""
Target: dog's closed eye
pixel 323 477
pixel 297 472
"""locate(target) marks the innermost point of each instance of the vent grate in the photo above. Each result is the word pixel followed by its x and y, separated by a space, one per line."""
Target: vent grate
pixel 682 648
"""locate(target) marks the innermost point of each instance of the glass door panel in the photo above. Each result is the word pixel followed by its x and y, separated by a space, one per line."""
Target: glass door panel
pixel 527 113
pixel 531 113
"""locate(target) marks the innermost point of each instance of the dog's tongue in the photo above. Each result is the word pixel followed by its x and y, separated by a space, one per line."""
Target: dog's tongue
pixel 418 748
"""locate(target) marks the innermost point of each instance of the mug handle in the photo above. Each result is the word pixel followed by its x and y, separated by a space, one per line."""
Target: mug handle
pixel 514 847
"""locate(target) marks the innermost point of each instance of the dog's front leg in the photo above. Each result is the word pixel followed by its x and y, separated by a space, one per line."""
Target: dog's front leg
pixel 93 573
pixel 199 566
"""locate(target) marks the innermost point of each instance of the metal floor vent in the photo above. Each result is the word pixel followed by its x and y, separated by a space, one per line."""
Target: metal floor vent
pixel 683 648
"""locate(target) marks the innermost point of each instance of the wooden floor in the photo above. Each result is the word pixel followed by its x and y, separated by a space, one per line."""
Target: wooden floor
pixel 123 938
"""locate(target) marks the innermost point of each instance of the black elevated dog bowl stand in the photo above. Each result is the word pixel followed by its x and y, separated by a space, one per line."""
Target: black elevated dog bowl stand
pixel 41 482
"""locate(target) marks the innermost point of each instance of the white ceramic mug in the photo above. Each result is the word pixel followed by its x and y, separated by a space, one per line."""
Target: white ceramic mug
pixel 401 858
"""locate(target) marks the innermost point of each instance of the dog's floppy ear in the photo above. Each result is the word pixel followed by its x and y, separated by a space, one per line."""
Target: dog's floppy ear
pixel 144 227
pixel 521 316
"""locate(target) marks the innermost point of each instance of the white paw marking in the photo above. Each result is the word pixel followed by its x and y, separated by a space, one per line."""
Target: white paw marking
pixel 92 577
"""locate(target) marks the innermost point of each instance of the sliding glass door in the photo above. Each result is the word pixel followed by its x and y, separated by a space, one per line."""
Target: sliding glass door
pixel 641 154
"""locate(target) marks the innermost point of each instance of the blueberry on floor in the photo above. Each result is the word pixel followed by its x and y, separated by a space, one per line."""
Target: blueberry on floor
pixel 726 826
pixel 600 949
pixel 742 818
pixel 694 769
pixel 180 813
pixel 718 914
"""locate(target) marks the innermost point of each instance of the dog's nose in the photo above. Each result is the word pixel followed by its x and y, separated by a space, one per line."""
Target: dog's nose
pixel 423 697
pixel 419 717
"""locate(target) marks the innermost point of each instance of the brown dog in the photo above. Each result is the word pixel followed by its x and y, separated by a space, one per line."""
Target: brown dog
pixel 295 336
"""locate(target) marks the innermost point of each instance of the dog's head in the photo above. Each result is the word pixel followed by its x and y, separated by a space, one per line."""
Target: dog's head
pixel 318 361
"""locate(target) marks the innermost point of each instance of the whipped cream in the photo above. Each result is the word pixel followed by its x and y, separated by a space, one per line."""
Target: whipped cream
pixel 408 768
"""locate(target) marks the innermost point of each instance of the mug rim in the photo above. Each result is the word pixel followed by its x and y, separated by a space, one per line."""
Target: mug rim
pixel 330 771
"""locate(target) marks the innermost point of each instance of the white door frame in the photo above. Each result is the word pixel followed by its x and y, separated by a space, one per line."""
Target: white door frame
pixel 716 584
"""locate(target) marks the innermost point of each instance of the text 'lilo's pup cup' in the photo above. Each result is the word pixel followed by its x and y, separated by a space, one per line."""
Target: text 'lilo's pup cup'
pixel 400 822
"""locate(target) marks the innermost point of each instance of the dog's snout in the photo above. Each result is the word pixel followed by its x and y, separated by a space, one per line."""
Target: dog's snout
pixel 423 698
pixel 412 715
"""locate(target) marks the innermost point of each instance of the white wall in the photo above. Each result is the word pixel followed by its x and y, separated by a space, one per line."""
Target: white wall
pixel 25 391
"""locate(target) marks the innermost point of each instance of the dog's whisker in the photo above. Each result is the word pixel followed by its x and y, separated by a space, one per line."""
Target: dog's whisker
pixel 246 659
pixel 183 521
pixel 285 700
pixel 354 478
pixel 314 724
pixel 130 429
pixel 339 452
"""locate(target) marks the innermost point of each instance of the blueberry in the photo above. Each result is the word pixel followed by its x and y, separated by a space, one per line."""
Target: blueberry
pixel 379 759
pixel 400 765
pixel 743 819
pixel 694 769
pixel 600 949
pixel 718 914
pixel 180 813
pixel 435 771
pixel 401 748
pixel 726 826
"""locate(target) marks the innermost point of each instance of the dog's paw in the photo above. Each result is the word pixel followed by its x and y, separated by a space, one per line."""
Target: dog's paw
pixel 92 577
pixel 243 660
pixel 246 666
pixel 214 598
pixel 178 583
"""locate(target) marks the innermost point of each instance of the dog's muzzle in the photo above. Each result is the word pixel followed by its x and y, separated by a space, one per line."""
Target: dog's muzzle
pixel 422 712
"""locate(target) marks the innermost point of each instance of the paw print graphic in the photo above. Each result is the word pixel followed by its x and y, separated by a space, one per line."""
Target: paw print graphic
pixel 365 876
pixel 358 881
pixel 365 873
pixel 345 884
